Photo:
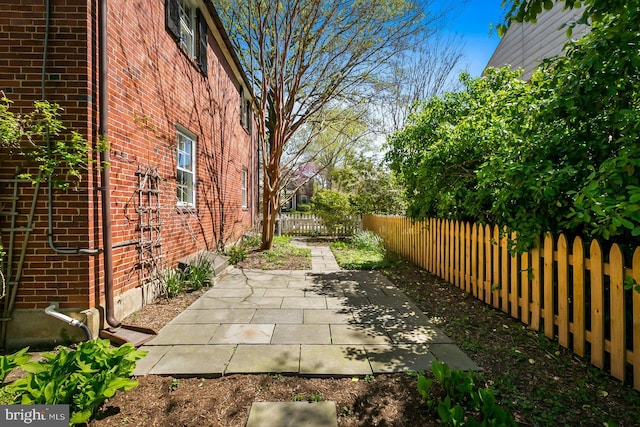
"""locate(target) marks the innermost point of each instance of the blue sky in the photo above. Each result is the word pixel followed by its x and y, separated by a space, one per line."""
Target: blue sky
pixel 471 21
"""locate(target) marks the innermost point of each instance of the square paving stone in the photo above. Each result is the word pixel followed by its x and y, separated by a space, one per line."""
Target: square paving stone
pixel 339 360
pixel 278 315
pixel 301 334
pixel 454 357
pixel 410 334
pixel 304 302
pixel 189 316
pixel 399 358
pixel 299 284
pixel 265 358
pixel 326 317
pixel 242 334
pixel 260 302
pixel 201 360
pixel 344 302
pixel 268 284
pixel 358 334
pixel 184 334
pixel 284 292
pixel 208 303
pixel 227 315
pixel 234 293
pixel 154 354
pixel 293 414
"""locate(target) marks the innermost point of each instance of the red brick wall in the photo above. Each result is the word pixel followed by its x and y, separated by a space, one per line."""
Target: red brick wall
pixel 152 87
pixel 48 277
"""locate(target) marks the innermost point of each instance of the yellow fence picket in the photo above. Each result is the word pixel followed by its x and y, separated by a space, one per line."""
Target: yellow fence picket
pixel 578 298
pixel 525 306
pixel 616 274
pixel 515 294
pixel 495 284
pixel 504 282
pixel 547 288
pixel 536 288
pixel 488 274
pixel 481 264
pixel 635 275
pixel 475 260
pixel 563 292
pixel 468 256
pixel 597 305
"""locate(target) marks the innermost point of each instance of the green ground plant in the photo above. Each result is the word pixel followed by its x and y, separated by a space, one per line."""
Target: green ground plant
pixel 199 273
pixel 363 251
pixel 172 282
pixel 463 402
pixel 82 378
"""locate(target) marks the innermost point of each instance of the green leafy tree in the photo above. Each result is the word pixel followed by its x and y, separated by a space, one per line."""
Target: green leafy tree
pixel 372 188
pixel 305 56
pixel 333 208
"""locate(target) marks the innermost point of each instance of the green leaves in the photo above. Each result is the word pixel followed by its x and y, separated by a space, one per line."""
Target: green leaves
pixel 83 378
pixel 41 136
pixel 9 363
pixel 462 403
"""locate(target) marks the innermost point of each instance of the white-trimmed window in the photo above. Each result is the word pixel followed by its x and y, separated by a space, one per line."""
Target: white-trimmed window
pixel 188 27
pixel 186 169
pixel 245 195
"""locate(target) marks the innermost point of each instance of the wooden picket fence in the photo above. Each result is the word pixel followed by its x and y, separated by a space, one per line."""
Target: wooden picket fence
pixel 291 224
pixel 571 292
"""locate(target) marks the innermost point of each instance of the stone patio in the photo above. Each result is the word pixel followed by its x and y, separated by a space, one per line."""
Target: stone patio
pixel 324 322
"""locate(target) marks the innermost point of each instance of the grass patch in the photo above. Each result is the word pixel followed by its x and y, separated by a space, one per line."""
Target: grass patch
pixel 364 251
pixel 283 256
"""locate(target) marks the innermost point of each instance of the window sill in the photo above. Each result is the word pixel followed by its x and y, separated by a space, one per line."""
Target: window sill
pixel 184 209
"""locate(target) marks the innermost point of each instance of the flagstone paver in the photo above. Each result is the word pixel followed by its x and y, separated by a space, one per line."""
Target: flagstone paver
pixel 325 321
pixel 293 414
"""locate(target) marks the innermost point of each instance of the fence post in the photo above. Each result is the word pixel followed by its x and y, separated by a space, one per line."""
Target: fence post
pixel 548 286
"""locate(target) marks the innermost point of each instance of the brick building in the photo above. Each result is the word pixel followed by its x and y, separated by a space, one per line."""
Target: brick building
pixel 159 79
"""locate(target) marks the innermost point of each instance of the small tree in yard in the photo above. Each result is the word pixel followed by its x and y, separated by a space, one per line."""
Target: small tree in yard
pixel 333 208
pixel 305 56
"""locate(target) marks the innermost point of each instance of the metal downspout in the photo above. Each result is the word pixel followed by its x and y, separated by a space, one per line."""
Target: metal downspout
pixel 105 184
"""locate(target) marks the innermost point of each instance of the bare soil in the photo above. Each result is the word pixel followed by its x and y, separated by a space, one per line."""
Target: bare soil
pixel 538 381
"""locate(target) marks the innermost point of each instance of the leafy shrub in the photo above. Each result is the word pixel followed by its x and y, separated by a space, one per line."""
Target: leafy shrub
pixel 333 208
pixel 83 378
pixel 172 282
pixel 251 241
pixel 200 273
pixel 236 254
pixel 367 240
pixel 464 402
pixel 304 207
